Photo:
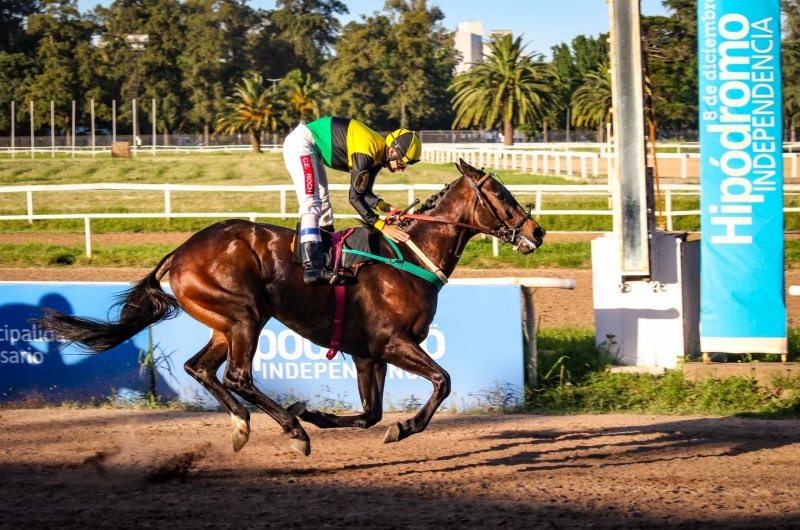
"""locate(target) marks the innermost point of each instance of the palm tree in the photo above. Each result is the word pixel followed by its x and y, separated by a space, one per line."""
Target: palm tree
pixel 252 109
pixel 509 86
pixel 304 98
pixel 591 102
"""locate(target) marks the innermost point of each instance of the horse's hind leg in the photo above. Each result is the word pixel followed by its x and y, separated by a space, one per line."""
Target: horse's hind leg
pixel 404 353
pixel 239 378
pixel 371 378
pixel 203 367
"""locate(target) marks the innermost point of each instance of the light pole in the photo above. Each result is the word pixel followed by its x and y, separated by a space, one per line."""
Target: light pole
pixel 136 43
pixel 273 83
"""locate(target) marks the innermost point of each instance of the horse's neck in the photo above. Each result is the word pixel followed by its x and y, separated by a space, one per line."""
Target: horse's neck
pixel 443 243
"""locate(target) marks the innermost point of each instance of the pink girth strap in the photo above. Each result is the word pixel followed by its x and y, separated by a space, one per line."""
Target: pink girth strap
pixel 338 294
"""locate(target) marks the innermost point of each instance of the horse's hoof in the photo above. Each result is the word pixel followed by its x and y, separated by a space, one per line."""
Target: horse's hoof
pixel 393 433
pixel 240 433
pixel 298 409
pixel 301 446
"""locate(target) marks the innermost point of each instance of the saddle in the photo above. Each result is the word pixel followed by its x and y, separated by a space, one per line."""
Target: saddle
pixel 361 238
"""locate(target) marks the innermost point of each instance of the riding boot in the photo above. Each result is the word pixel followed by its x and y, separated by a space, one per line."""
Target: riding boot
pixel 314 263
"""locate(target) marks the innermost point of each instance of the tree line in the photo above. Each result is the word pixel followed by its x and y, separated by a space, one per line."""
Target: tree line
pixel 389 69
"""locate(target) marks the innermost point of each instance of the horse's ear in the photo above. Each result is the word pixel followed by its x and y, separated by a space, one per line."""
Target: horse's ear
pixel 469 171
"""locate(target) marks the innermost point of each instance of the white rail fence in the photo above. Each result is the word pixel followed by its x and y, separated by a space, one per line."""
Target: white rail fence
pixel 538 191
pixel 559 160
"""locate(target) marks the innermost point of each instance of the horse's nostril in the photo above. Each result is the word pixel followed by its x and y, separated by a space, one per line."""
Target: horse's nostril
pixel 539 232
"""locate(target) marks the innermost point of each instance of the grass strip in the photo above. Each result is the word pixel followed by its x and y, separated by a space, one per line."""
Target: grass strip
pixel 574 378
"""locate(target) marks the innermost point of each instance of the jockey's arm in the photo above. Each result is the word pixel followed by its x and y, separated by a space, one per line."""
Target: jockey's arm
pixel 361 196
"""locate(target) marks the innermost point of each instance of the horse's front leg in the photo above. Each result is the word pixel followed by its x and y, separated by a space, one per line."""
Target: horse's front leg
pixel 371 379
pixel 404 353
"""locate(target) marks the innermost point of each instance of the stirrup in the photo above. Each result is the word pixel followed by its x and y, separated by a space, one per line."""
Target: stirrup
pixel 341 279
pixel 317 276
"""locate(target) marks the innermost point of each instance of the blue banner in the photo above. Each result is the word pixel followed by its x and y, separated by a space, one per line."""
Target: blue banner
pixel 742 264
pixel 479 344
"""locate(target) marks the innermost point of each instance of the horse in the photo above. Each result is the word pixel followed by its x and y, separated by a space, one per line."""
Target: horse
pixel 236 275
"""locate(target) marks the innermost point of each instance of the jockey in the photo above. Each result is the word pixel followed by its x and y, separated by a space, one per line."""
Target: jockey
pixel 345 145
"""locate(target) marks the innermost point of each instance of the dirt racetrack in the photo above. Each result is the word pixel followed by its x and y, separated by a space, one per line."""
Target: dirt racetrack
pixel 103 468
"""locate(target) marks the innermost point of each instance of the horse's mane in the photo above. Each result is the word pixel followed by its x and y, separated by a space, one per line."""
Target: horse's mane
pixel 430 204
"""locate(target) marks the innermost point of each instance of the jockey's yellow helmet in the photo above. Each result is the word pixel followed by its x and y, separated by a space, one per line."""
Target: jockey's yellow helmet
pixel 407 145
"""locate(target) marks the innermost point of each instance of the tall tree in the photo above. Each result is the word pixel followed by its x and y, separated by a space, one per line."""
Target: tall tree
pixel 508 87
pixel 310 27
pixel 357 71
pixel 421 64
pixel 591 102
pixel 66 57
pixel 572 63
pixel 252 109
pixel 304 98
pixel 214 56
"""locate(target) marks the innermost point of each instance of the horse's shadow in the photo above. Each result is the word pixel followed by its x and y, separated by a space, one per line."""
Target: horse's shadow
pixel 548 449
pixel 33 368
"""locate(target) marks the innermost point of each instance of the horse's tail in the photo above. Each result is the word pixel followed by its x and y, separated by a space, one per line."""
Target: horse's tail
pixel 141 306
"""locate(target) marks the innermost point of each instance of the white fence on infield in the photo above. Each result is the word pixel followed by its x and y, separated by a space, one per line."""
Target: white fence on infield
pixel 539 192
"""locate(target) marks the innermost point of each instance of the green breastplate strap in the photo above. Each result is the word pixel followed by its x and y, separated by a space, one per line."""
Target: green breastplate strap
pixel 400 263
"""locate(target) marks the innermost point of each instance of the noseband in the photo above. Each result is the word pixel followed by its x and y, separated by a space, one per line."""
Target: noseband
pixel 505 233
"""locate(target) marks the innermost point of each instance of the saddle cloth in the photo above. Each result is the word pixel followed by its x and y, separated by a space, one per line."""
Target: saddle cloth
pixel 362 239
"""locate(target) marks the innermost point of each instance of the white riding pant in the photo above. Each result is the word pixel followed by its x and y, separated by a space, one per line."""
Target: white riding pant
pixel 302 159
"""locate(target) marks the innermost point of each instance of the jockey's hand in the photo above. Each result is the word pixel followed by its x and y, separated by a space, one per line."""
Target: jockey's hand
pixel 393 215
pixel 395 233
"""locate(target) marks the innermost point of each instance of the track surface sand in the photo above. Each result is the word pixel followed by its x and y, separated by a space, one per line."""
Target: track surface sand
pixel 102 468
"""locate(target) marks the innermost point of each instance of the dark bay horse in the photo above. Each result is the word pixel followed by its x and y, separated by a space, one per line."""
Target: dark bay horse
pixel 236 275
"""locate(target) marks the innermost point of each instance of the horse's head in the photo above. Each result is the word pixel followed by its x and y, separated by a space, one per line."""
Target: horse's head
pixel 496 210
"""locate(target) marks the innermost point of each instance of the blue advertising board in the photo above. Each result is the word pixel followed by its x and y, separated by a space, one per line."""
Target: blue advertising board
pixel 476 337
pixel 742 285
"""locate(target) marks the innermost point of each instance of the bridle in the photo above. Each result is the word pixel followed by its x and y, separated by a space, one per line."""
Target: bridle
pixel 503 232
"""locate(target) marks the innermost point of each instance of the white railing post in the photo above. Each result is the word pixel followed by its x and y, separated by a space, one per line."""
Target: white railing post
pixel 558 163
pixel 87 228
pixel 583 167
pixel 505 159
pixel 30 206
pixel 794 165
pixel 167 203
pixel 410 196
pixel 569 163
pixel 684 159
pixel 596 165
pixel 669 210
pixel 545 157
pixel 538 205
pixel 524 161
pixel 535 164
pixel 283 203
pixel 495 247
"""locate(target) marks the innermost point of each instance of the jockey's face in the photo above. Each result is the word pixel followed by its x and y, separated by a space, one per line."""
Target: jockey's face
pixel 395 165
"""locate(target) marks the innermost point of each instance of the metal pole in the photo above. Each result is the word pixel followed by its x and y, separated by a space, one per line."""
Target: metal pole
pixel 532 355
pixel 52 130
pixel 92 127
pixel 33 155
pixel 154 128
pixel 13 126
pixel 135 131
pixel 113 120
pixel 73 128
pixel 88 233
pixel 29 197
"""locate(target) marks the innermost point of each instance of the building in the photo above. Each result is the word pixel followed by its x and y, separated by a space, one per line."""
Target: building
pixel 469 42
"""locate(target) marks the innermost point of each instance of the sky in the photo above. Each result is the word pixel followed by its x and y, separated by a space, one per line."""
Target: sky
pixel 545 23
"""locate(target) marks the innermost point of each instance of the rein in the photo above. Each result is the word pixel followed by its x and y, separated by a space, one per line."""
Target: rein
pixel 504 233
